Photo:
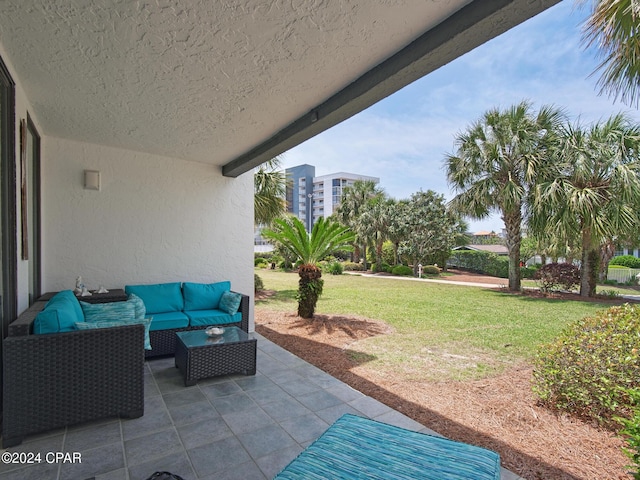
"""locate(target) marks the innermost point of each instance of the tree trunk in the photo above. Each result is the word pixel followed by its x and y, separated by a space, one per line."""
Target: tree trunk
pixel 588 271
pixel 512 223
pixel 364 256
pixel 607 251
pixel 309 289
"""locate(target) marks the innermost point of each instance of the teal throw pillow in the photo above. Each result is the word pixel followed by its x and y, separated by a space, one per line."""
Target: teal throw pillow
pixel 230 302
pixel 118 323
pixel 138 304
pixel 106 312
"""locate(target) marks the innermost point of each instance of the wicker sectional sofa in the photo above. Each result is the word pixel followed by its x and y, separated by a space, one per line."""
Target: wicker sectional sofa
pixel 51 381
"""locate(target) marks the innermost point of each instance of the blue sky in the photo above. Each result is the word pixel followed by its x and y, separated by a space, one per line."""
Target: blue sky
pixel 404 138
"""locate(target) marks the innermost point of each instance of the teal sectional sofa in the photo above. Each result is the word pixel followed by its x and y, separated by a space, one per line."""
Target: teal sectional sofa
pixel 177 306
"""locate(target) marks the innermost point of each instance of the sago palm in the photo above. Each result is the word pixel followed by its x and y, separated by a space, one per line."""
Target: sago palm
pixel 325 238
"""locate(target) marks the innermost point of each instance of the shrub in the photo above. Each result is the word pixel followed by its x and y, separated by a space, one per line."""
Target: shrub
pixel 628 261
pixel 353 267
pixel 335 268
pixel 586 370
pixel 402 270
pixel 259 261
pixel 379 267
pixel 258 284
pixel 481 262
pixel 631 431
pixel 431 270
pixel 528 272
pixel 557 276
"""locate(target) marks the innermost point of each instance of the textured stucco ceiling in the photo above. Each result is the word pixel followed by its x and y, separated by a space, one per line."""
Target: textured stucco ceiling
pixel 202 80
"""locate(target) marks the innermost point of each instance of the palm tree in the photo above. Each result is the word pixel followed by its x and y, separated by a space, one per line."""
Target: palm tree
pixel 351 208
pixel 596 192
pixel 497 161
pixel 374 223
pixel 269 192
pixel 614 27
pixel 326 237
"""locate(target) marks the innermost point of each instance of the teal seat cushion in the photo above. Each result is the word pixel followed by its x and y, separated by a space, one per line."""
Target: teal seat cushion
pixel 203 296
pixel 356 447
pixel 212 317
pixel 60 314
pixel 119 323
pixel 230 302
pixel 169 320
pixel 158 298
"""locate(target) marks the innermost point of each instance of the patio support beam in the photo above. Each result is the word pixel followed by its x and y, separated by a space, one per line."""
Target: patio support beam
pixel 469 27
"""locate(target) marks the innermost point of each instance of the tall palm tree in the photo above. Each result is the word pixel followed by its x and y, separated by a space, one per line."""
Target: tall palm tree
pixel 325 238
pixel 596 192
pixel 497 161
pixel 374 223
pixel 351 208
pixel 269 192
pixel 614 28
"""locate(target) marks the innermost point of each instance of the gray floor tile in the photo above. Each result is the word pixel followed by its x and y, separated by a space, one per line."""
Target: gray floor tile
pixel 218 456
pixel 95 461
pixel 153 446
pixel 150 422
pixel 275 462
pixel 285 408
pixel 267 394
pixel 193 412
pixel 93 437
pixel 299 386
pixel 233 403
pixel 246 471
pixel 264 441
pixel 306 428
pixel 183 397
pixel 251 382
pixel 247 420
pixel 221 389
pixel 332 414
pixel 370 407
pixel 33 472
pixel 205 431
pixel 319 400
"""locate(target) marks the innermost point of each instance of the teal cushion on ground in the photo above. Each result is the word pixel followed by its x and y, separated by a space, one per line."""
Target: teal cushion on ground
pixel 119 323
pixel 107 312
pixel 203 296
pixel 60 314
pixel 158 298
pixel 166 321
pixel 356 447
pixel 230 302
pixel 212 317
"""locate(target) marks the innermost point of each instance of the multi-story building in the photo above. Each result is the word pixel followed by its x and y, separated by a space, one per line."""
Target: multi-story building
pixel 310 198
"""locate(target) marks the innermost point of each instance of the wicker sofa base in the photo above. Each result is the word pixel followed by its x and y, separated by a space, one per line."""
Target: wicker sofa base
pixel 163 342
pixel 52 381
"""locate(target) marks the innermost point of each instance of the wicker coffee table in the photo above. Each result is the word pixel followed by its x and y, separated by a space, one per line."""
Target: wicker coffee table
pixel 200 356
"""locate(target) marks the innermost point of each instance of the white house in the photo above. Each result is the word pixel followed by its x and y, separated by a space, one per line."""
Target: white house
pixel 130 129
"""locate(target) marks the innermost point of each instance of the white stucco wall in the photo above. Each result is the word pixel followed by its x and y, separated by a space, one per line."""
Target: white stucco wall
pixel 155 219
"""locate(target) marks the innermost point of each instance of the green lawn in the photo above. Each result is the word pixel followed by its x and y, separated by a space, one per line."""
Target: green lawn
pixel 441 331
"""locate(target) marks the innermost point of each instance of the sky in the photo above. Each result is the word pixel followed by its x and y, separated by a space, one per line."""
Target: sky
pixel 404 138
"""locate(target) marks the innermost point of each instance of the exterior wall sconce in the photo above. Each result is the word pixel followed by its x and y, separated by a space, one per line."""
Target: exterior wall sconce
pixel 91 180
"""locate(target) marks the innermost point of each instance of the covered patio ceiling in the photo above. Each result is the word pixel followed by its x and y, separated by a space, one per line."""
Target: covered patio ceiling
pixel 231 83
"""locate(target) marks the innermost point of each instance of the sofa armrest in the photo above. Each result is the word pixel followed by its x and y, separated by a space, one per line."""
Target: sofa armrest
pixel 244 310
pixel 50 381
pixel 23 324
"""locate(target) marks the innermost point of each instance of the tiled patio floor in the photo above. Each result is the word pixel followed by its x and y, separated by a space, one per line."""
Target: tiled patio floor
pixel 232 427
